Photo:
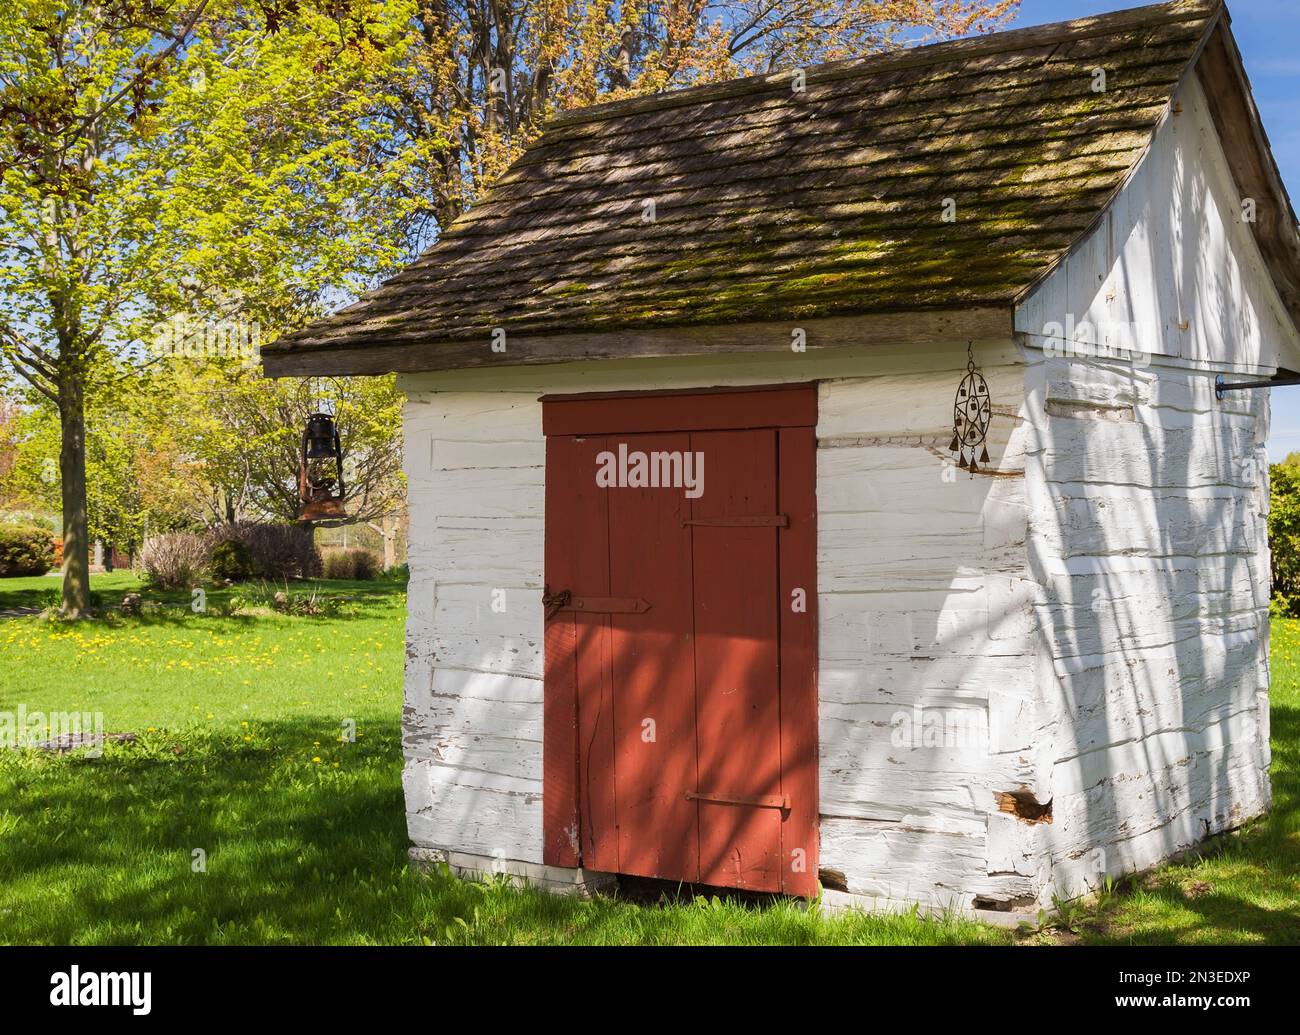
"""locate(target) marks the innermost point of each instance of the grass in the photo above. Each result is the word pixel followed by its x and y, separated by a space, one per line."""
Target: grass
pixel 239 713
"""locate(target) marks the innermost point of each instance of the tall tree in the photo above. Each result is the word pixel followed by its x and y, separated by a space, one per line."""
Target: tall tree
pixel 138 479
pixel 8 444
pixel 151 154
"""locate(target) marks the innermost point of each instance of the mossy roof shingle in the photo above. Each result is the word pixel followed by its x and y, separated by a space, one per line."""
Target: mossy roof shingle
pixel 777 204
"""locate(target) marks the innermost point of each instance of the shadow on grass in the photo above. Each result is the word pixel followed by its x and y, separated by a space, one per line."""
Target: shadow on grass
pixel 27 598
pixel 40 591
pixel 187 834
pixel 295 850
pixel 245 603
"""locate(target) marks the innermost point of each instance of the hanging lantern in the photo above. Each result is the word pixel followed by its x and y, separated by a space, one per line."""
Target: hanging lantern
pixel 971 413
pixel 320 471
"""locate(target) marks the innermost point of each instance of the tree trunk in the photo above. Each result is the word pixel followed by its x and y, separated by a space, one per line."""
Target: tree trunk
pixel 72 469
pixel 388 531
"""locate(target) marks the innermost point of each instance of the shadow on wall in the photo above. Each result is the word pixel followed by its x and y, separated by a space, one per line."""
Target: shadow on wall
pixel 1149 542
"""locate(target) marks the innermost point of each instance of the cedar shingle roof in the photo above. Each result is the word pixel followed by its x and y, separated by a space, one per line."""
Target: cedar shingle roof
pixel 772 204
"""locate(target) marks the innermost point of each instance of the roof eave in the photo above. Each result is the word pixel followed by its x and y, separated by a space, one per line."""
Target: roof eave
pixel 993 322
pixel 1250 158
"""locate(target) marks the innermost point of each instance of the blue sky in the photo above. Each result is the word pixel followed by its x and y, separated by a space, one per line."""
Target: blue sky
pixel 1268 33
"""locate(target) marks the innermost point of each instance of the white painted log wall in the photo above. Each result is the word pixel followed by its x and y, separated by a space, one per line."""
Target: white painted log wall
pixel 1148 543
pixel 1147 524
pixel 925 623
pixel 925 634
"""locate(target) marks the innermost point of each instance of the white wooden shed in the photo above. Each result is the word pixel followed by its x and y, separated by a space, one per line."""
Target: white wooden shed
pixel 831 653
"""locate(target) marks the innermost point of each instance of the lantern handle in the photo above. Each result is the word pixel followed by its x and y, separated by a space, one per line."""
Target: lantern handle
pixel 309 402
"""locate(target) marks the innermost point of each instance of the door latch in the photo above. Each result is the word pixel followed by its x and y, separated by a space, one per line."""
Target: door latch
pixel 765 801
pixel 554 602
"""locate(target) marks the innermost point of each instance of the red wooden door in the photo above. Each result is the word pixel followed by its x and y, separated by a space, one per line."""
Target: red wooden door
pixel 680 707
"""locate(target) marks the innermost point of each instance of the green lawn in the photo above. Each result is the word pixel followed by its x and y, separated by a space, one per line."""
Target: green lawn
pixel 239 713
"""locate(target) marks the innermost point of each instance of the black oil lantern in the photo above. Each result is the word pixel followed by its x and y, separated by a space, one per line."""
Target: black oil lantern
pixel 320 471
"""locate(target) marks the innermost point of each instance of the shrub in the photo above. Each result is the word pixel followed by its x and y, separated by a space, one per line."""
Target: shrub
pixel 337 564
pixel 352 563
pixel 1284 538
pixel 276 551
pixel 25 550
pixel 175 560
pixel 232 561
pixel 366 565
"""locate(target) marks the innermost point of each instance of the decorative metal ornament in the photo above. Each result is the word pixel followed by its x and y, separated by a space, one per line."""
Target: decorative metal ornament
pixel 971 411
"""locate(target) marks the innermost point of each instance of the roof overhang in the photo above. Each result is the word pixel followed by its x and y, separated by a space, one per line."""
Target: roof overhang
pixel 915 327
pixel 1232 106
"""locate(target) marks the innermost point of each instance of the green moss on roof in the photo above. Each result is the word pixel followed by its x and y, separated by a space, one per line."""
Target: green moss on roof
pixel 773 205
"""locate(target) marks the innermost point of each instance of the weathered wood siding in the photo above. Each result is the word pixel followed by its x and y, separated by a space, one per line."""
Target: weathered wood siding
pixel 924 627
pixel 1148 546
pixel 1147 524
pixel 925 638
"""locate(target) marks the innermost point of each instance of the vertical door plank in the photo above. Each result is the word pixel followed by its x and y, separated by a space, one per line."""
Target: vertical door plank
pixel 736 660
pixel 653 674
pixel 559 672
pixel 596 766
pixel 798 640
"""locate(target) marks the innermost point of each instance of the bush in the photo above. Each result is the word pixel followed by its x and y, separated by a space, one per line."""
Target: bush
pixel 232 561
pixel 25 550
pixel 353 563
pixel 1284 538
pixel 279 552
pixel 367 566
pixel 175 560
pixel 337 564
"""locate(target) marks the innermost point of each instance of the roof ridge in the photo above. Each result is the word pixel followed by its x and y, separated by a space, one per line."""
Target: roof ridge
pixel 904 57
